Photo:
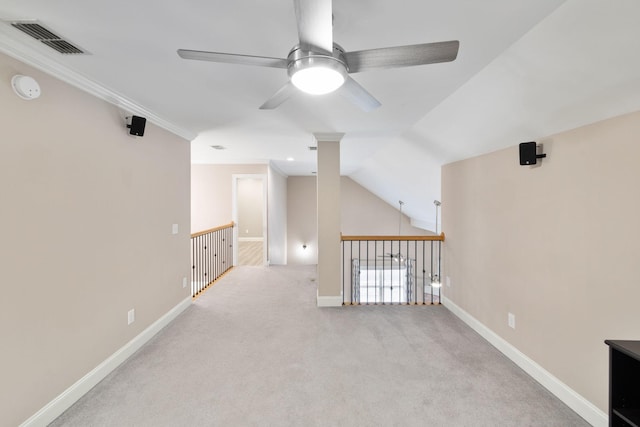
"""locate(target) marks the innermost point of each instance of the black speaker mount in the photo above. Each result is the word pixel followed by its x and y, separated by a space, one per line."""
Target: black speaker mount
pixel 136 125
pixel 529 153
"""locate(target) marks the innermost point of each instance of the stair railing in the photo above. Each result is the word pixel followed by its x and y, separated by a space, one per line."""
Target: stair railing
pixel 211 256
pixel 391 269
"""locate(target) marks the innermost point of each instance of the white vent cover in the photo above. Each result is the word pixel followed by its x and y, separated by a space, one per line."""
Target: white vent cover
pixel 46 36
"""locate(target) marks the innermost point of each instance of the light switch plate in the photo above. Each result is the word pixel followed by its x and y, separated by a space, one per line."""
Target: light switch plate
pixel 511 320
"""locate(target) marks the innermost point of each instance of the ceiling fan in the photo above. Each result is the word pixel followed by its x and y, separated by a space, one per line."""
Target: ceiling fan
pixel 397 258
pixel 317 65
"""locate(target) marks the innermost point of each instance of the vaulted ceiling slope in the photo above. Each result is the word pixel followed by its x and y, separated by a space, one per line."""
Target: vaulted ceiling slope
pixel 525 70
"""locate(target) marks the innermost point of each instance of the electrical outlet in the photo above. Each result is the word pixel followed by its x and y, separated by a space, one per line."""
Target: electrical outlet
pixel 131 316
pixel 174 229
pixel 511 320
pixel 184 282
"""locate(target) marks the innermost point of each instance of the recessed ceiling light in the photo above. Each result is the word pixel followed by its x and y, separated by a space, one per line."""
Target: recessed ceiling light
pixel 218 147
pixel 290 159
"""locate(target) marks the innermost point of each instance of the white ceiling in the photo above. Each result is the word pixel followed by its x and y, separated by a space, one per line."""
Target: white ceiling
pixel 525 70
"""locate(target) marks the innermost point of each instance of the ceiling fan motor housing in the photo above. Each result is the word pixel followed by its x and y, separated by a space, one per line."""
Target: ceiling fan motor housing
pixel 302 63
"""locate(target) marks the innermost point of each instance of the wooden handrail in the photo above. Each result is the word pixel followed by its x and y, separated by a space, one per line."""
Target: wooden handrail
pixel 211 230
pixel 439 238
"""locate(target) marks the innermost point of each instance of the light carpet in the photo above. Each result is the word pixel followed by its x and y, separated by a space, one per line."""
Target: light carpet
pixel 254 350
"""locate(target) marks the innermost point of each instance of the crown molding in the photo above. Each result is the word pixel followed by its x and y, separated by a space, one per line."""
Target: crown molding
pixel 17 49
pixel 328 136
pixel 276 169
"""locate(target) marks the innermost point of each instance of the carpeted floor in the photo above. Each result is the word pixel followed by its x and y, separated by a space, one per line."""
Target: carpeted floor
pixel 255 351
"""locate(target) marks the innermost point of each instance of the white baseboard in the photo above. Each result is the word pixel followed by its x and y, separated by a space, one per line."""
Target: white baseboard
pixel 329 301
pixel 71 395
pixel 573 400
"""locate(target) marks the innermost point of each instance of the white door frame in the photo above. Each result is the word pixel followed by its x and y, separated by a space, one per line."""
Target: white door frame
pixel 234 212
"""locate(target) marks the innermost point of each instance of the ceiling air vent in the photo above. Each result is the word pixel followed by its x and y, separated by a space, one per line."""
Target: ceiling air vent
pixel 218 147
pixel 313 148
pixel 46 36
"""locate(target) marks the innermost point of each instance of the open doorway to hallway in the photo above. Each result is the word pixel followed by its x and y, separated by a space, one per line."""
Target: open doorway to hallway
pixel 250 216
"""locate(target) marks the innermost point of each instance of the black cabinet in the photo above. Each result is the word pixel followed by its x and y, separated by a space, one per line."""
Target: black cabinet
pixel 624 383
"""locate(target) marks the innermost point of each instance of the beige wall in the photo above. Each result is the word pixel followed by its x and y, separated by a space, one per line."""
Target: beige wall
pixel 211 188
pixel 362 213
pixel 556 245
pixel 302 220
pixel 277 216
pixel 211 201
pixel 87 214
pixel 250 200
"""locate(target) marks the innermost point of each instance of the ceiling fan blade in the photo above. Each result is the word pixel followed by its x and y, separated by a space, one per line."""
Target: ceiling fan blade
pixel 230 58
pixel 315 24
pixel 279 97
pixel 402 56
pixel 358 95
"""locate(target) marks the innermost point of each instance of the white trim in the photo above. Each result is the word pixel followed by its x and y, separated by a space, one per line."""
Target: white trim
pixel 57 406
pixel 276 169
pixel 329 301
pixel 571 398
pixel 22 51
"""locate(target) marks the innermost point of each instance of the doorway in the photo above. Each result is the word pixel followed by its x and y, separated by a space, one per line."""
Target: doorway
pixel 250 217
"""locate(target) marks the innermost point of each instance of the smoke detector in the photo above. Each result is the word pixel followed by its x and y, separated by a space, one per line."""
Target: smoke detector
pixel 25 87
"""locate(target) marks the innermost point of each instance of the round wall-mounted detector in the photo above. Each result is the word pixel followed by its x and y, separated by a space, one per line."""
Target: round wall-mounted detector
pixel 25 87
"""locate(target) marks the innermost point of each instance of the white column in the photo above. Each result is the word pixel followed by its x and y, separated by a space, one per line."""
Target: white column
pixel 329 220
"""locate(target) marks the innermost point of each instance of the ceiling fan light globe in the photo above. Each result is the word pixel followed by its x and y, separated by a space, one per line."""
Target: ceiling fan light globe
pixel 317 80
pixel 314 73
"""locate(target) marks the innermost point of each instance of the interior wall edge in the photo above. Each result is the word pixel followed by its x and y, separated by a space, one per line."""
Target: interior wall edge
pixel 566 394
pixel 67 398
